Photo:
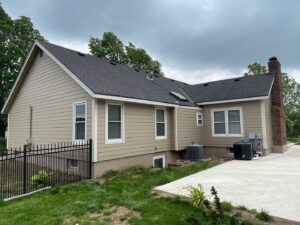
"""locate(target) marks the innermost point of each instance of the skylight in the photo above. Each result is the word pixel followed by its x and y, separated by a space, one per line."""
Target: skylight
pixel 178 96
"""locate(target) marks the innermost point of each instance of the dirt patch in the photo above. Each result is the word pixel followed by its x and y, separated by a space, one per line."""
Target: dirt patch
pixel 250 217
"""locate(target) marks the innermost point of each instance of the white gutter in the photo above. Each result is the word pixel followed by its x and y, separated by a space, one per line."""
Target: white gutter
pixel 233 100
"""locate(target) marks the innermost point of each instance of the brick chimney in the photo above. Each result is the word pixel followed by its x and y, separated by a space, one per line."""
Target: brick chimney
pixel 277 108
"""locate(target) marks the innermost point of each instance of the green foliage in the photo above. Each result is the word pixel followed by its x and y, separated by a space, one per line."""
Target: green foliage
pixel 110 174
pixel 197 195
pixel 217 201
pixel 112 48
pixel 2 203
pixel 131 189
pixel 294 139
pixel 226 206
pixel 16 38
pixel 264 216
pixel 55 190
pixel 253 211
pixel 242 207
pixel 256 68
pixel 41 179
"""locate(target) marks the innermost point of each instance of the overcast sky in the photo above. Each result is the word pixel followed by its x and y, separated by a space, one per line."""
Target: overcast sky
pixel 195 40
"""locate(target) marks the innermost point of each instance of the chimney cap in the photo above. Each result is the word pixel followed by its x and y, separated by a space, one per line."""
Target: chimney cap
pixel 273 58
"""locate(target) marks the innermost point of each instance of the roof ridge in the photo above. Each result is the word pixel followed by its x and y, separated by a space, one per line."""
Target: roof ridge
pixel 233 78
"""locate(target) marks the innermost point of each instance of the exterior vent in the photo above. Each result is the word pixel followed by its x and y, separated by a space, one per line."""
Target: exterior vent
pixel 206 84
pixel 237 79
pixel 112 63
pixel 149 77
pixel 178 96
pixel 156 75
pixel 80 53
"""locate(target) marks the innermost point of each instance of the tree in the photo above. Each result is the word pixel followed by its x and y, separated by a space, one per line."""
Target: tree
pixel 109 47
pixel 291 98
pixel 112 48
pixel 256 68
pixel 16 38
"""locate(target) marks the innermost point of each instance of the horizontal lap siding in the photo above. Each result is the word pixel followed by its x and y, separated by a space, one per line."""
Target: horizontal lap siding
pixel 139 133
pixel 51 92
pixel 187 130
pixel 252 123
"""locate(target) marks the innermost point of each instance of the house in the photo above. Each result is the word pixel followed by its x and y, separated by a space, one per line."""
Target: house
pixel 135 117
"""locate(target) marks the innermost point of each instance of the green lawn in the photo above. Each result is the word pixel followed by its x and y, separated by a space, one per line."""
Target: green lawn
pixel 79 203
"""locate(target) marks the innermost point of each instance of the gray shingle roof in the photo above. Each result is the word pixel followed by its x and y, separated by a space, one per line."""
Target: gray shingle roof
pixel 103 77
pixel 237 88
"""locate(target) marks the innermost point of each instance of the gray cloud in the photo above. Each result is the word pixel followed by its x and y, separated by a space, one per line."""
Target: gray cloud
pixel 189 37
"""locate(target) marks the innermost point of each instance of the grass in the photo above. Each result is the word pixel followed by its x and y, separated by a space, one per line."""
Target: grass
pixel 79 203
pixel 293 139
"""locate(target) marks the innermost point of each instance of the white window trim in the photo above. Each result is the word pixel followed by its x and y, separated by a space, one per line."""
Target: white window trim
pixel 197 120
pixel 74 120
pixel 119 140
pixel 165 122
pixel 227 123
pixel 163 157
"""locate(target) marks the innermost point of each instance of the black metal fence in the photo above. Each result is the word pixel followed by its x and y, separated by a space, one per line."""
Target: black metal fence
pixel 33 167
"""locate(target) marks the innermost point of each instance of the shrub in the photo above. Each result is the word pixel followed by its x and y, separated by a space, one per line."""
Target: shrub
pixel 242 207
pixel 40 179
pixel 2 202
pixel 226 206
pixel 264 216
pixel 217 201
pixel 111 173
pixel 253 211
pixel 197 195
pixel 55 190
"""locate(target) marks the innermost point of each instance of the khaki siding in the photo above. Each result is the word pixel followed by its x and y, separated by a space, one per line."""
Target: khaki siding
pixel 51 93
pixel 251 118
pixel 139 133
pixel 187 130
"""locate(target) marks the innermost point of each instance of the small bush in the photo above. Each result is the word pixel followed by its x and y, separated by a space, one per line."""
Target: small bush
pixel 253 211
pixel 293 139
pixel 2 202
pixel 237 214
pixel 197 195
pixel 41 179
pixel 110 174
pixel 242 207
pixel 217 201
pixel 264 216
pixel 226 206
pixel 55 190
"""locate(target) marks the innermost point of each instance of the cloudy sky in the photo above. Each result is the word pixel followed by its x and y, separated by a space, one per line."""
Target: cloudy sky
pixel 195 40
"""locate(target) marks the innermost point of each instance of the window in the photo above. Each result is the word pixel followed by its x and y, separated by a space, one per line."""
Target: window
pixel 79 121
pixel 199 119
pixel 72 163
pixel 114 122
pixel 227 122
pixel 161 123
pixel 159 162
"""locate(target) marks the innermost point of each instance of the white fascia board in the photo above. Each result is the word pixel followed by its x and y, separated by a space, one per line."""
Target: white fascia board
pixel 233 100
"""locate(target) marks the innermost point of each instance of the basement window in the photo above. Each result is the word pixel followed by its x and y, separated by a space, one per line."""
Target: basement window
pixel 159 162
pixel 72 163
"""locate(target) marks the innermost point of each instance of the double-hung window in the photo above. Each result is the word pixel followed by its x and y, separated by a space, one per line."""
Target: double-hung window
pixel 199 119
pixel 227 122
pixel 114 120
pixel 79 121
pixel 161 123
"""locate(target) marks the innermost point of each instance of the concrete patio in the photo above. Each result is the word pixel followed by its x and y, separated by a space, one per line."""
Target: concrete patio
pixel 271 183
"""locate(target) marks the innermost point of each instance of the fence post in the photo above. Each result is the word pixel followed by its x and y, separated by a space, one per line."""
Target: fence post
pixel 25 169
pixel 90 157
